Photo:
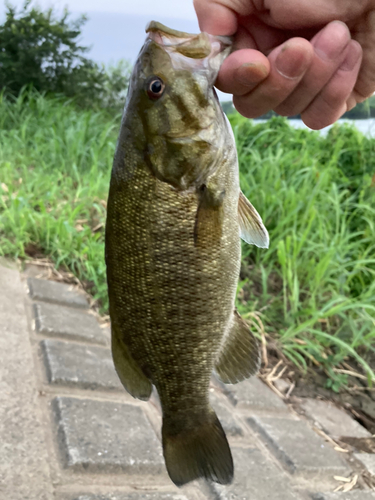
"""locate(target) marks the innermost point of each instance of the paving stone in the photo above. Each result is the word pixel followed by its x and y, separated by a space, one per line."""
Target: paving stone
pixel 255 478
pixel 368 460
pixel 228 421
pixel 350 495
pixel 54 320
pixel 100 436
pixel 85 366
pixel 335 422
pixel 299 448
pixel 255 395
pixel 134 496
pixel 24 462
pixel 60 293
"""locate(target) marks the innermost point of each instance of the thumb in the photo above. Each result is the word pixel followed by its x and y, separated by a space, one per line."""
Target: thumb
pixel 216 17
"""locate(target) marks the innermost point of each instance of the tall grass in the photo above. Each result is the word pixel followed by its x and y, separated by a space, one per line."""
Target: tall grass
pixel 315 284
pixel 313 290
pixel 54 173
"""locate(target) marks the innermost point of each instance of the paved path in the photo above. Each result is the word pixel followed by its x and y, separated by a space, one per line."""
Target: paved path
pixel 69 431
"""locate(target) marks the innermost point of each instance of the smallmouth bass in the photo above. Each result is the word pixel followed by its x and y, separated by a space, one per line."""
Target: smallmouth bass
pixel 174 221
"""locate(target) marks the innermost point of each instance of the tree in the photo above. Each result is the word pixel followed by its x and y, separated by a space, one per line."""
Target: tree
pixel 40 50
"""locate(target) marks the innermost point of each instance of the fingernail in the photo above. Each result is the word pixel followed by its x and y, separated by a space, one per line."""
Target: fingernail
pixel 332 40
pixel 291 63
pixel 352 57
pixel 251 73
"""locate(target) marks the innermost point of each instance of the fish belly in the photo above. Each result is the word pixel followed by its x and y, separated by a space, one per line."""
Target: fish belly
pixel 170 300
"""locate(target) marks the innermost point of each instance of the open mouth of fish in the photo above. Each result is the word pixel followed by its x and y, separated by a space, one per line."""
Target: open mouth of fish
pixel 190 51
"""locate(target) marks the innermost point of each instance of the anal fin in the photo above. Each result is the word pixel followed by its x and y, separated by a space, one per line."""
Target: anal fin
pixel 128 370
pixel 252 229
pixel 239 357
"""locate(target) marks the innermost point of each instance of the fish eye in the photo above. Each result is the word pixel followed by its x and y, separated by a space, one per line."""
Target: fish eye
pixel 155 87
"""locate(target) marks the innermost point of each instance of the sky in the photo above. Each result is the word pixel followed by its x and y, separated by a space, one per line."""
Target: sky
pixel 116 28
pixel 185 8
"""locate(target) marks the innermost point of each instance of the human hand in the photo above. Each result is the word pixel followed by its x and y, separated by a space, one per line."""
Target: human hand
pixel 314 58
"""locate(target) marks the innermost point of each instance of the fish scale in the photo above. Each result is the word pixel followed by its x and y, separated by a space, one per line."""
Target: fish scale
pixel 173 249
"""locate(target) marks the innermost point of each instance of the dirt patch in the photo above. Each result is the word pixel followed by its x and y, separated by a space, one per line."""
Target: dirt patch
pixel 357 399
pixel 34 251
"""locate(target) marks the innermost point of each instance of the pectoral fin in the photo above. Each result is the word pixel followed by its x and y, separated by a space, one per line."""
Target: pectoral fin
pixel 239 357
pixel 209 219
pixel 252 229
pixel 129 372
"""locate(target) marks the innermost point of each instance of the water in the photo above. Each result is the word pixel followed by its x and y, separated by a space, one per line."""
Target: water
pixel 366 126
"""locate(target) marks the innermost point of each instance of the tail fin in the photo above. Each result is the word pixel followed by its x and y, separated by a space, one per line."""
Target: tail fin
pixel 201 452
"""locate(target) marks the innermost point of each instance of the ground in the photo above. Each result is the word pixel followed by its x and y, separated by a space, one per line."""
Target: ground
pixel 73 433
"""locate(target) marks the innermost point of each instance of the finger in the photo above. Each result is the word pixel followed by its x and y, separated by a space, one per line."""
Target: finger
pixel 288 14
pixel 242 71
pixel 331 102
pixel 365 35
pixel 329 52
pixel 264 38
pixel 215 18
pixel 351 102
pixel 302 14
pixel 288 65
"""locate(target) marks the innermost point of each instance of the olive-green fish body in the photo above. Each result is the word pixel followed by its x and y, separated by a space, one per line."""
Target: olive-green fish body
pixel 173 249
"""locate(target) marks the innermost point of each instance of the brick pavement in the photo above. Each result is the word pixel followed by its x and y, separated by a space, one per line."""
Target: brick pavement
pixel 84 438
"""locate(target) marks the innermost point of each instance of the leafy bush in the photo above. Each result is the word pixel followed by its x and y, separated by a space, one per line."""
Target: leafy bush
pixel 40 50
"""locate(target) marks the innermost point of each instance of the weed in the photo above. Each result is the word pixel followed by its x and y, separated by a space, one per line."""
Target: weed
pixel 315 195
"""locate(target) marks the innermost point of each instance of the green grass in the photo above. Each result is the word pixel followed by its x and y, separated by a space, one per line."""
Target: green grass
pixel 55 165
pixel 315 285
pixel 313 290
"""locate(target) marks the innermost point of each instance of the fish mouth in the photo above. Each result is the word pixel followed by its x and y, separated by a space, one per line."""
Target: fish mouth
pixel 190 51
pixel 168 34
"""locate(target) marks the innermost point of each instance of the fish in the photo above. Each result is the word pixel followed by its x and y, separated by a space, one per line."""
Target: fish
pixel 175 216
